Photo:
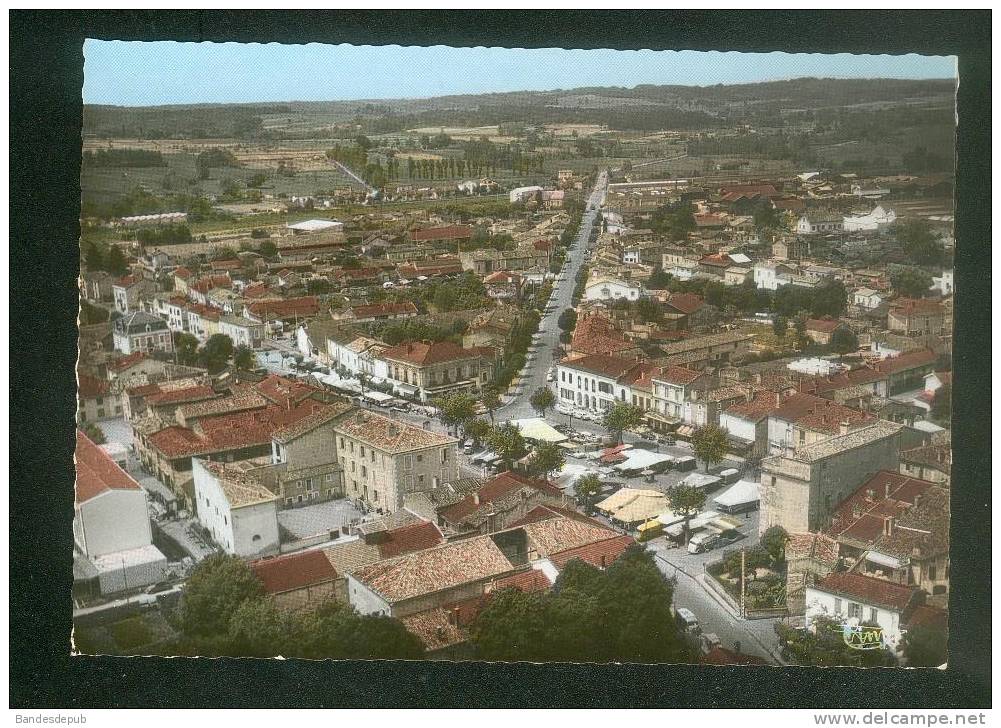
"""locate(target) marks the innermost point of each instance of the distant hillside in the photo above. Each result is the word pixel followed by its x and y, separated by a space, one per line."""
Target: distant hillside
pixel 642 108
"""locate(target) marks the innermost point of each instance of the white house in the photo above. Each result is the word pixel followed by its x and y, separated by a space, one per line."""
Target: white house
pixel 944 283
pixel 878 219
pixel 242 331
pixel 867 298
pixel 239 513
pixel 815 223
pixel 603 288
pixel 520 194
pixel 593 382
pixel 854 599
pixel 769 276
pixel 111 527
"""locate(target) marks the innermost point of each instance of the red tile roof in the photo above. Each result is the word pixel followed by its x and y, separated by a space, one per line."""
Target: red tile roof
pixel 279 390
pixel 596 334
pixel 502 276
pixel 601 554
pixel 293 571
pixel 451 232
pixel 407 539
pixel 425 353
pixel 749 191
pixel 96 472
pixel 126 361
pixel 907 306
pixel 175 396
pixel 376 310
pixel 860 516
pixel 686 303
pixel 257 290
pixel 875 373
pixel 182 273
pixel 545 512
pixel 817 413
pixel 763 404
pixel 126 281
pixel 285 308
pixel 677 375
pixel 868 590
pixel 500 486
pixel 824 325
pixel 90 387
pixel 531 580
pixel 605 365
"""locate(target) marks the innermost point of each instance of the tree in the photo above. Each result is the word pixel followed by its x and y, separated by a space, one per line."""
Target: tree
pixel 217 587
pixel 920 244
pixel 799 325
pixel 490 400
pixel 95 433
pixel 621 416
pixel 773 540
pixel 547 458
pixel 216 352
pixel 648 310
pixel 709 444
pixel 260 628
pixel 823 645
pixel 91 314
pixel 941 406
pixel 476 430
pixel 186 346
pixel 268 249
pixel 455 408
pixel 659 279
pixel 115 262
pixel 567 320
pixel 829 299
pixel 779 326
pixel 844 340
pixel 507 442
pixel 243 357
pixel 686 501
pixel 586 490
pixel 910 281
pixel 926 645
pixel 542 399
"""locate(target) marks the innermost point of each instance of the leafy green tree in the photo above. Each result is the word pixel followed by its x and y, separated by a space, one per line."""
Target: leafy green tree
pixel 507 441
pixel 115 262
pixel 336 631
pixel 844 340
pixel 95 433
pixel 926 645
pixel 93 255
pixel 547 458
pixel 649 311
pixel 243 357
pixel 91 314
pixel 476 430
pixel 217 587
pixel 659 279
pixel 824 646
pixel 490 400
pixel 268 249
pixel 799 326
pixel 709 444
pixel 774 542
pixel 455 409
pixel 621 416
pixel 223 252
pixel 920 244
pixel 941 406
pixel 186 346
pixel 515 626
pixel 911 282
pixel 586 489
pixel 567 320
pixel 829 299
pixel 542 399
pixel 216 352
pixel 686 501
pixel 260 628
pixel 779 326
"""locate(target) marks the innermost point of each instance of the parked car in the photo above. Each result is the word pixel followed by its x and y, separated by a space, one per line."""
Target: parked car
pixel 708 642
pixel 687 621
pixel 702 542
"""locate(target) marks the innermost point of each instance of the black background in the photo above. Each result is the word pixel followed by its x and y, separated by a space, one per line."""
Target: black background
pixel 46 75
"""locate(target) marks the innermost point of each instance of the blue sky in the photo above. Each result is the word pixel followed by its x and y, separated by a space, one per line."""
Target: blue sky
pixel 140 74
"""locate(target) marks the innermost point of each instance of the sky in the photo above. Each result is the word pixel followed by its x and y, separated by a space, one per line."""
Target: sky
pixel 131 73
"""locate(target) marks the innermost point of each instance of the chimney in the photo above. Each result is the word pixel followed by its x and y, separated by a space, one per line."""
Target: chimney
pixel 845 424
pixel 476 497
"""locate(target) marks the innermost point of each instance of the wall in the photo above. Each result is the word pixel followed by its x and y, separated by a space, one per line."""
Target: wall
pixel 116 520
pixel 364 599
pixel 821 603
pixel 255 530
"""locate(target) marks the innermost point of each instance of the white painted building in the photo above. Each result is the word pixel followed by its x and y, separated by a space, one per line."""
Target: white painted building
pixel 240 514
pixel 242 331
pixel 867 298
pixel 592 383
pixel 944 284
pixel 601 288
pixel 111 526
pixel 769 276
pixel 855 599
pixel 878 219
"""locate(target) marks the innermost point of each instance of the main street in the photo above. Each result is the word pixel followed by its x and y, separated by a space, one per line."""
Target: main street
pixel 540 356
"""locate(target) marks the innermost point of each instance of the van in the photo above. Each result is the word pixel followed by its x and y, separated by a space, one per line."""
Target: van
pixel 702 542
pixel 729 476
pixel 687 621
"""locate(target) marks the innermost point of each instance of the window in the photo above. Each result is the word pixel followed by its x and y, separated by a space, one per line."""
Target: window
pixel 364 471
pixel 257 537
pixel 225 521
pixel 873 615
pixel 854 610
pixel 837 606
pixel 363 451
pixel 288 501
pixel 375 495
pixel 420 458
pixel 329 477
pixel 444 455
pixel 342 443
pixel 420 479
pixel 352 466
pixel 932 572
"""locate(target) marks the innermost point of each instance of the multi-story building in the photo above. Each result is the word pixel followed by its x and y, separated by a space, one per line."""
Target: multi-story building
pixel 140 331
pixel 242 331
pixel 912 316
pixel 430 369
pixel 593 382
pixel 239 512
pixel 383 459
pixel 672 387
pixel 129 291
pixel 800 490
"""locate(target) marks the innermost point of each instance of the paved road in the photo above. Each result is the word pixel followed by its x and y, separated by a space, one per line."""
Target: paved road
pixel 541 353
